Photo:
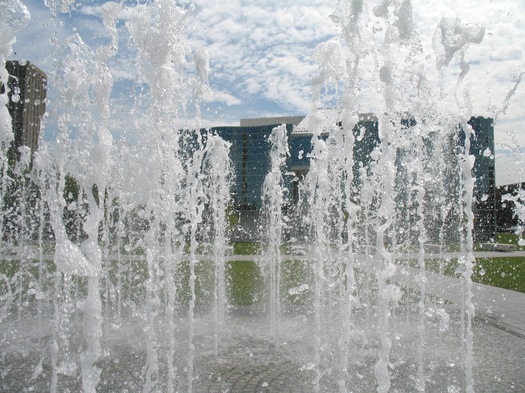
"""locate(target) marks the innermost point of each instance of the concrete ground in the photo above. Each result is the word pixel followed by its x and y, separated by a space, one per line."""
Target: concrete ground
pixel 249 361
pixel 252 364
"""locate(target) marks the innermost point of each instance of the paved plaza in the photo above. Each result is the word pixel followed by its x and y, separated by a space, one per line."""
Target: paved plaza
pixel 252 365
pixel 249 361
pixel 504 308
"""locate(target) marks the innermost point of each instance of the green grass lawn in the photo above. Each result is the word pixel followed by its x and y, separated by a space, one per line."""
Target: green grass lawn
pixel 247 248
pixel 508 238
pixel 503 272
pixel 245 283
pixel 246 279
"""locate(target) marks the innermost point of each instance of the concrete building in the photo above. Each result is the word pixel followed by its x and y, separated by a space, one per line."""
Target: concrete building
pixel 26 90
pixel 271 121
pixel 27 102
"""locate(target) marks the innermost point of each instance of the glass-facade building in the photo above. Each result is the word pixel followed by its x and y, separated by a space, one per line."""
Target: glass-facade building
pixel 250 156
pixel 482 148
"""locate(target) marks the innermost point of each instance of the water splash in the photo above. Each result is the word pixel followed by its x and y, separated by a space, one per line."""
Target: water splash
pixel 140 229
pixel 273 202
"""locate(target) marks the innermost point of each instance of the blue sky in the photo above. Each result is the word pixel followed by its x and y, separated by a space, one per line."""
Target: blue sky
pixel 261 64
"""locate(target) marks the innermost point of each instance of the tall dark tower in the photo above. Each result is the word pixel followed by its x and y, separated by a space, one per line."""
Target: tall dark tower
pixel 27 102
pixel 482 147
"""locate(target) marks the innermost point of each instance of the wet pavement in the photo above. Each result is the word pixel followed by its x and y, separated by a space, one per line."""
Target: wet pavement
pixel 248 362
pixel 248 359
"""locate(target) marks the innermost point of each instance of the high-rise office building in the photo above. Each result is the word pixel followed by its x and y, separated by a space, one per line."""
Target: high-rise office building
pixel 444 151
pixel 440 154
pixel 250 156
pixel 26 91
pixel 482 148
pixel 365 132
pixel 27 102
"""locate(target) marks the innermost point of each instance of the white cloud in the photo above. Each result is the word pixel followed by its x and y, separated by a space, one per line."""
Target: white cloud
pixel 263 44
pixel 260 52
pixel 510 166
pixel 221 96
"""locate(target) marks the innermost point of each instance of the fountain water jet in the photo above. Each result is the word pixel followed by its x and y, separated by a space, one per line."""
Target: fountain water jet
pixel 273 201
pixel 138 281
